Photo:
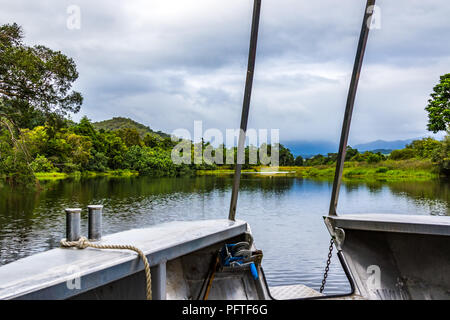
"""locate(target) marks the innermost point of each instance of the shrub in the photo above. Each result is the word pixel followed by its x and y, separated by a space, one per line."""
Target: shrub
pixel 402 154
pixel 382 170
pixel 374 158
pixel 70 167
pixel 42 164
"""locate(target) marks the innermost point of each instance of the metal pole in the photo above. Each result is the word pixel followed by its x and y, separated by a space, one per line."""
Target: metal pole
pixel 349 107
pixel 159 279
pixel 245 107
pixel 73 218
pixel 95 222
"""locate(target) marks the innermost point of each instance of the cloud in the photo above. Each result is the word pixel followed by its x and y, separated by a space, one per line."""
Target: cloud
pixel 168 63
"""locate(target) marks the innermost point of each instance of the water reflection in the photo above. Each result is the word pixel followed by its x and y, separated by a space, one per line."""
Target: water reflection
pixel 285 213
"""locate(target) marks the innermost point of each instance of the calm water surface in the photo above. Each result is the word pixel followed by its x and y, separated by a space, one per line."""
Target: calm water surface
pixel 285 214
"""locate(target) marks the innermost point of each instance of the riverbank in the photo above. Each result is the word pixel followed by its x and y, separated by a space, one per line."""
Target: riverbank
pixel 43 176
pixel 385 170
pixel 419 170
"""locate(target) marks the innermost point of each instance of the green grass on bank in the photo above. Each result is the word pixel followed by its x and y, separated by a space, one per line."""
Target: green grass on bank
pixel 385 170
pixel 41 176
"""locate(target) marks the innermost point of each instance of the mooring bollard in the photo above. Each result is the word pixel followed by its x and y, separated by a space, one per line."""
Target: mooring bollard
pixel 95 222
pixel 73 218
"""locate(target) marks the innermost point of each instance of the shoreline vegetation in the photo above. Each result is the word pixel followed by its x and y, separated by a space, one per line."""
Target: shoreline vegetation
pixel 81 150
pixel 387 170
pixel 39 141
pixel 43 176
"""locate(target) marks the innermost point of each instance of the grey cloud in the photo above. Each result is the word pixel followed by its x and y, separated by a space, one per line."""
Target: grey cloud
pixel 168 63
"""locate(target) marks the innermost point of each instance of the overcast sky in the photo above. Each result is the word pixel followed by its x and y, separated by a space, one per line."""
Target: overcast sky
pixel 167 63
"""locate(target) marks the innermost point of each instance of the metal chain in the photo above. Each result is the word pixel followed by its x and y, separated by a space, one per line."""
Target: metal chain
pixel 327 268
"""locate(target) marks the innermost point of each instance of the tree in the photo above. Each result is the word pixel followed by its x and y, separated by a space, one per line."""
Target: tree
pixel 316 160
pixel 34 81
pixel 439 106
pixel 425 148
pixel 331 158
pixel 442 156
pixel 286 157
pixel 80 152
pixel 402 154
pixel 299 161
pixel 150 161
pixel 129 136
pixel 350 153
pixel 116 150
pixel 86 129
pixel 152 141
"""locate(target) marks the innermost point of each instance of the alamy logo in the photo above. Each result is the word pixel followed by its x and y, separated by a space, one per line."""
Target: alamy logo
pixel 73 21
pixel 374 280
pixel 374 20
pixel 186 152
pixel 74 282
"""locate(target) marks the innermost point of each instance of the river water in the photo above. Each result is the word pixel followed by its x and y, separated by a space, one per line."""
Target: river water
pixel 285 214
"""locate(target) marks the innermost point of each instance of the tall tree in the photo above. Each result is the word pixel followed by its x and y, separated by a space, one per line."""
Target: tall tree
pixel 34 81
pixel 439 106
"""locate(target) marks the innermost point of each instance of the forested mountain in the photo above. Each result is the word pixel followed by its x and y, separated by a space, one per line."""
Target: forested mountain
pixel 117 123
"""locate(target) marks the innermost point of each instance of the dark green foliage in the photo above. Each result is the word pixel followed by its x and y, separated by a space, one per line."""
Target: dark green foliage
pixel 427 148
pixel 402 154
pixel 129 136
pixel 13 162
pixel 439 106
pixel 35 82
pixel 152 141
pixel 42 164
pixel 116 150
pixel 98 162
pixel 382 170
pixel 286 157
pixel 369 157
pixel 299 161
pixel 148 161
pixel 374 158
pixel 424 148
pixel 35 88
pixel 350 153
pixel 442 156
pixel 316 160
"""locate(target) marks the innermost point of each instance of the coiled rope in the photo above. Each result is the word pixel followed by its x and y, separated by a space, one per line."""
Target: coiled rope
pixel 83 243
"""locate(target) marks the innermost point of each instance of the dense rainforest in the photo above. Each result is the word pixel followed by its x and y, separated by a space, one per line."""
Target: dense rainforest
pixel 76 148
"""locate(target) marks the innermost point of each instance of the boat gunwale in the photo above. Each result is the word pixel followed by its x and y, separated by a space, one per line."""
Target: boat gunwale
pixel 399 223
pixel 123 263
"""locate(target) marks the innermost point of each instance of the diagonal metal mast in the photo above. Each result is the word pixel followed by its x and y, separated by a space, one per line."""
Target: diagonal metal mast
pixel 245 107
pixel 350 103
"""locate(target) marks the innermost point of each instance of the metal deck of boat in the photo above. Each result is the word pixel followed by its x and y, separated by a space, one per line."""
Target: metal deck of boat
pixel 297 291
pixel 45 275
pixel 432 225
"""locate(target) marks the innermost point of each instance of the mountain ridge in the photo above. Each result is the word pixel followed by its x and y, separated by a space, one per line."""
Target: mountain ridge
pixel 309 148
pixel 117 123
pixel 383 144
